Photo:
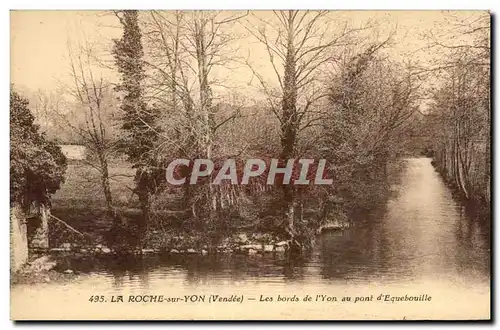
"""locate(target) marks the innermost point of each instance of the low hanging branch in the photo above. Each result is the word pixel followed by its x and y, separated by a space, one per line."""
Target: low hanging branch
pixel 67 226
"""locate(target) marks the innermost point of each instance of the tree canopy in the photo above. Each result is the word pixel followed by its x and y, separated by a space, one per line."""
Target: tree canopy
pixel 37 165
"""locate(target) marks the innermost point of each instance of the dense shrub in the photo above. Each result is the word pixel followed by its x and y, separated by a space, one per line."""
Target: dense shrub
pixel 37 166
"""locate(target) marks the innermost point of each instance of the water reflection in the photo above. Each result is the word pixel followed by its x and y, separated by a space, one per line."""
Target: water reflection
pixel 421 233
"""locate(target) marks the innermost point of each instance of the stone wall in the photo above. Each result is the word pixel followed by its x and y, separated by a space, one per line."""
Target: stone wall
pixel 18 238
pixel 38 227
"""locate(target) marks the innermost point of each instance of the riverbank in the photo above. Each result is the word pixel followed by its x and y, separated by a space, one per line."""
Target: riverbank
pixel 52 265
pixel 171 231
pixel 42 269
pixel 420 206
pixel 240 243
pixel 478 207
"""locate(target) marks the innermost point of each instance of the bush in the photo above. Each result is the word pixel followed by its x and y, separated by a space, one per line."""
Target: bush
pixel 37 166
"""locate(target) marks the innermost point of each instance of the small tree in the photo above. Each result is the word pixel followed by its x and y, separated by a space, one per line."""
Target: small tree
pixel 94 106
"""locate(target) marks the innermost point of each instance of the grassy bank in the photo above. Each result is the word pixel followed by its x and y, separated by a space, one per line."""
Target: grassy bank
pixel 80 203
pixel 258 222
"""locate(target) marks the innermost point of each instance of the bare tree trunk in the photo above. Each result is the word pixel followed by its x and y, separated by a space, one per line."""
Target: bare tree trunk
pixel 144 198
pixel 92 94
pixel 145 202
pixel 206 108
pixel 487 166
pixel 289 123
pixel 106 188
pixel 462 173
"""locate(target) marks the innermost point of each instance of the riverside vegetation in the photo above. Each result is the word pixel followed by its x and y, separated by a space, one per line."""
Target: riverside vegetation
pixel 338 96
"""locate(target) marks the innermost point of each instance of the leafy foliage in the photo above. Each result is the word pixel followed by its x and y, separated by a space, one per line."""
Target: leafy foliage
pixel 37 165
pixel 139 120
pixel 370 103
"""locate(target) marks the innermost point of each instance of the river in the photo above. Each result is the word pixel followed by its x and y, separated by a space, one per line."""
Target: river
pixel 421 242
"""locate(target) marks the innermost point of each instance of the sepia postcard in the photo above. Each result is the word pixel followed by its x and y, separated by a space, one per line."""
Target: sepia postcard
pixel 250 165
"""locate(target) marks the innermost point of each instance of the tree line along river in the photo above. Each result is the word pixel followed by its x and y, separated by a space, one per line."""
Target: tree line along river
pixel 422 241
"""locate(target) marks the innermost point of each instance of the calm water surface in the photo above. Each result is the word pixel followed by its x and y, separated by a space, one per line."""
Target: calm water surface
pixel 421 238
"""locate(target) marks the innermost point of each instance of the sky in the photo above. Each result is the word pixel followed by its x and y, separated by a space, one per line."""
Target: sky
pixel 39 44
pixel 39 41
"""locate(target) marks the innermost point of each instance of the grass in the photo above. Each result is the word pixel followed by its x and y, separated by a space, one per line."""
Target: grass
pixel 82 185
pixel 80 201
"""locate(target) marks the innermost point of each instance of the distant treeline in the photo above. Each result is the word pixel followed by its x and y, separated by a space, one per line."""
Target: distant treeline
pixel 459 120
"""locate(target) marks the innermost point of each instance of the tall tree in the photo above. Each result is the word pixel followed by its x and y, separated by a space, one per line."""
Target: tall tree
pixel 94 106
pixel 371 101
pixel 184 50
pixel 140 121
pixel 300 42
pixel 461 109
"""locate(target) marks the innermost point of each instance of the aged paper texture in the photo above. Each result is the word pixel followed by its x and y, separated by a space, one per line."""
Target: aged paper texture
pixel 250 165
